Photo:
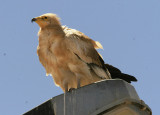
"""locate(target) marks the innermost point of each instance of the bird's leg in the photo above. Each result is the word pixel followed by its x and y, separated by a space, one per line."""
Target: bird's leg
pixel 65 87
pixel 78 81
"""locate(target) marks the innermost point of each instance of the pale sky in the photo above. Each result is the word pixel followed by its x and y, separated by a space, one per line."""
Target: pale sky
pixel 129 31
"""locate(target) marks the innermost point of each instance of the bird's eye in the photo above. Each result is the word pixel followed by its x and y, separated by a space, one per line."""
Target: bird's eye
pixel 45 17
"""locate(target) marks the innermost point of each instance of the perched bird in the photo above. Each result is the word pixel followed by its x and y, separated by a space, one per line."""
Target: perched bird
pixel 68 55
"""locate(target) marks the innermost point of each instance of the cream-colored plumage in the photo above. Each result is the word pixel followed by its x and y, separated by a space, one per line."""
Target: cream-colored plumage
pixel 68 55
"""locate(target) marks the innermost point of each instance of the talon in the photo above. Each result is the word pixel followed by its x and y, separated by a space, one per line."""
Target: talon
pixel 71 89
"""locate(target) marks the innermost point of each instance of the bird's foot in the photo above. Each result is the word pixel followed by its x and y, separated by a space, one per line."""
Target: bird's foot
pixel 71 89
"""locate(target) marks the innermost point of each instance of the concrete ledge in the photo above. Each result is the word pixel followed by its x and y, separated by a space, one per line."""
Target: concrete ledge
pixel 108 97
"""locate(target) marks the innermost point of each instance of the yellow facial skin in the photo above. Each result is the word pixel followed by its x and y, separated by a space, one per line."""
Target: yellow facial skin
pixel 41 21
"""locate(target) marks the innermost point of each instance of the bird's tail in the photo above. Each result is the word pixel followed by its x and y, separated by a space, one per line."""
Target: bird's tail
pixel 127 77
pixel 117 74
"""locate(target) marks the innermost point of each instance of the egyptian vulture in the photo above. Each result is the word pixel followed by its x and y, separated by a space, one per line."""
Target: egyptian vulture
pixel 69 55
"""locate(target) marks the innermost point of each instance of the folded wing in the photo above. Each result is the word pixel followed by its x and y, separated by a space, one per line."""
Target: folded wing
pixel 85 50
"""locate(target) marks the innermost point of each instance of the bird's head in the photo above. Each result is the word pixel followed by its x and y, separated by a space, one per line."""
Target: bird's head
pixel 48 19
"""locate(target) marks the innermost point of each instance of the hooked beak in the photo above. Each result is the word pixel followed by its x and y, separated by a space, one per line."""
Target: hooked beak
pixel 33 20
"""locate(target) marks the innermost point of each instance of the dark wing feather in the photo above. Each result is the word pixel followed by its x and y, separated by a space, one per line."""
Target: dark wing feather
pixel 116 73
